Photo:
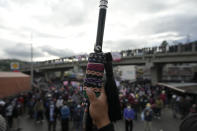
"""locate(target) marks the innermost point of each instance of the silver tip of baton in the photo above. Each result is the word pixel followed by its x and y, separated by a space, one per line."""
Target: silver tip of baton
pixel 103 4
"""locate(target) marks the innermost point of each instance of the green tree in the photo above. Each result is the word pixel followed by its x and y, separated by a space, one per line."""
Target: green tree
pixel 164 43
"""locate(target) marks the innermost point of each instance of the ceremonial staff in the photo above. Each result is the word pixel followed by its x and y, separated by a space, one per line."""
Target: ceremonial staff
pixel 97 63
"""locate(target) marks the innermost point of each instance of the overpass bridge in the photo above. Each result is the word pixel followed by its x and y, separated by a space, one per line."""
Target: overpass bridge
pixel 155 58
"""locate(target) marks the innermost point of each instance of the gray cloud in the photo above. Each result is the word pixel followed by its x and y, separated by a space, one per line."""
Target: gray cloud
pixel 57 52
pixel 141 6
pixel 3 3
pixel 46 35
pixel 22 51
pixel 150 6
pixel 183 24
pixel 23 2
pixel 5 27
pixel 63 14
pixel 122 44
pixel 14 31
pixel 35 32
pixel 41 34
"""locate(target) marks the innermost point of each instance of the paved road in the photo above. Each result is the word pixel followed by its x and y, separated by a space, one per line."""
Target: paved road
pixel 166 123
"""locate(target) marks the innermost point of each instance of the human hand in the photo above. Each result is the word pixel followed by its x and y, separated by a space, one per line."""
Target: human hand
pixel 98 108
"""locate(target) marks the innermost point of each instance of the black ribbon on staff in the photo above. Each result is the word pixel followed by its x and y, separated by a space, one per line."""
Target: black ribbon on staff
pixel 97 60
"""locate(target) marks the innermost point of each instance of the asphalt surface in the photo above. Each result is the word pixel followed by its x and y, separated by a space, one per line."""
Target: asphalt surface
pixel 166 123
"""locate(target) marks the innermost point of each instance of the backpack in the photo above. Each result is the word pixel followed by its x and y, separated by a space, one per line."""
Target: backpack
pixel 148 115
pixel 65 113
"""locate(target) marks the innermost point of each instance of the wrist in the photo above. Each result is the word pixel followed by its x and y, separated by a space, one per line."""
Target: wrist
pixel 103 123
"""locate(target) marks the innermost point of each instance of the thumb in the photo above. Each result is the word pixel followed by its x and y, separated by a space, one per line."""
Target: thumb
pixel 91 95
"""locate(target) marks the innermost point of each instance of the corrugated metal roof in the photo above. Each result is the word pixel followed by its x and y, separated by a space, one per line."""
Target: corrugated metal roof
pixel 13 74
pixel 182 87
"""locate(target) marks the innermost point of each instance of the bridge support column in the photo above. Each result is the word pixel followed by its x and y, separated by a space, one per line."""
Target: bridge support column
pixel 179 48
pixel 50 75
pixel 62 76
pixel 156 74
pixel 46 76
pixel 193 47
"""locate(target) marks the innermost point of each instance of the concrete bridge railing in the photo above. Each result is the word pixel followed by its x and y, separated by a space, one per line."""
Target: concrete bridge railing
pixel 135 56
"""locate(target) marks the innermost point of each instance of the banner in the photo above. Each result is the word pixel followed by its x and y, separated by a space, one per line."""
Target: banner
pixel 128 73
pixel 116 56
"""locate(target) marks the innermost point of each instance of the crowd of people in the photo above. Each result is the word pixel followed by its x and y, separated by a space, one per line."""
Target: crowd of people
pixel 65 104
pixel 57 103
pixel 146 102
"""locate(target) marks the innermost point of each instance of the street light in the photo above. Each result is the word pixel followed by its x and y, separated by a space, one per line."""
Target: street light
pixel 32 73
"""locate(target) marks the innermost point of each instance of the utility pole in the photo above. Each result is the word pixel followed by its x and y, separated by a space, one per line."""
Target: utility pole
pixel 32 72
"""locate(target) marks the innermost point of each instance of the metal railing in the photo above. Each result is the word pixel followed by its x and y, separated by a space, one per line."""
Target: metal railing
pixel 178 48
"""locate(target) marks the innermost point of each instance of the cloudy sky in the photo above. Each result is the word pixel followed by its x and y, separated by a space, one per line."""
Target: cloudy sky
pixel 60 28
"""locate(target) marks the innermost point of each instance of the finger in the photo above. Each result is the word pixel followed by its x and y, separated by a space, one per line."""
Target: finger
pixel 91 95
pixel 103 94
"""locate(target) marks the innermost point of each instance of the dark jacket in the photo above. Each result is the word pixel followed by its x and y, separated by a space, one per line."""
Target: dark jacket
pixel 148 114
pixel 47 113
pixel 78 114
pixel 109 127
